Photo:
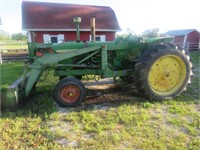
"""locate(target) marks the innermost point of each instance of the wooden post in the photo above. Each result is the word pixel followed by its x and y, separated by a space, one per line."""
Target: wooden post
pixel 33 37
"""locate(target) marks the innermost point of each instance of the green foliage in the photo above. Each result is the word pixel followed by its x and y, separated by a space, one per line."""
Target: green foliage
pixel 124 35
pixel 195 57
pixel 19 37
pixel 25 133
pixel 4 35
pixel 131 124
pixel 9 73
pixel 151 32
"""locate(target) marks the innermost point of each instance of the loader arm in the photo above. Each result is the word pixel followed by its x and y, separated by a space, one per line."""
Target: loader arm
pixel 50 60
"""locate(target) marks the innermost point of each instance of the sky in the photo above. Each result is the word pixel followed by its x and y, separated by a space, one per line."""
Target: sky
pixel 139 15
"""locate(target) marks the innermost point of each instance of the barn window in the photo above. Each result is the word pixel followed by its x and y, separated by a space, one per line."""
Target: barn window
pixel 53 38
pixel 100 38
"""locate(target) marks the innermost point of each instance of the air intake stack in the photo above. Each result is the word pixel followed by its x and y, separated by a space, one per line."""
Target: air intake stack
pixel 93 34
pixel 77 21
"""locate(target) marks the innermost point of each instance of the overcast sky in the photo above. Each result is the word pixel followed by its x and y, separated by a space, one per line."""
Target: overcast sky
pixel 139 15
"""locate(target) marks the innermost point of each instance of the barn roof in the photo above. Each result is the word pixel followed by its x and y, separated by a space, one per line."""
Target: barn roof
pixel 180 32
pixel 59 16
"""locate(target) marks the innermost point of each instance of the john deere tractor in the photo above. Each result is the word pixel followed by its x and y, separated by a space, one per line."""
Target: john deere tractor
pixel 158 68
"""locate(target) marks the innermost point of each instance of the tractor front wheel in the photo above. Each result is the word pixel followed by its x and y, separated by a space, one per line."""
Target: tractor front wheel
pixel 69 92
pixel 163 72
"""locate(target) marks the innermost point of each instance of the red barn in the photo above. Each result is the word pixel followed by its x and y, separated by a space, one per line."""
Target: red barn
pixel 53 22
pixel 188 38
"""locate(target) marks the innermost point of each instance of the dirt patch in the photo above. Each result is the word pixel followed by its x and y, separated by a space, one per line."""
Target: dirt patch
pixel 110 93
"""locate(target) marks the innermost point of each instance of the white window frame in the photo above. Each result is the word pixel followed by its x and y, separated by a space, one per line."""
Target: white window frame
pixel 47 38
pixel 61 38
pixel 102 38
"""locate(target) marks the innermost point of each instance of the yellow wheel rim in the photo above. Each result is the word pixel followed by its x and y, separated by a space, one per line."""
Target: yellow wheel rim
pixel 167 75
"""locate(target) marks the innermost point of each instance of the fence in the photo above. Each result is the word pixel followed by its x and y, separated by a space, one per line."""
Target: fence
pixel 189 46
pixel 13 51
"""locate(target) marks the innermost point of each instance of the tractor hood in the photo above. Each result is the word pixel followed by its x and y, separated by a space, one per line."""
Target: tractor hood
pixel 157 40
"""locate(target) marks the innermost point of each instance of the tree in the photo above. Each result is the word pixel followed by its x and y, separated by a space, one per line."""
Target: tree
pixel 151 33
pixel 4 35
pixel 19 37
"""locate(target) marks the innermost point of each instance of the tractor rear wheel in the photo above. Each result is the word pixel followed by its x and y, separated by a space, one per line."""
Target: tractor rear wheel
pixel 163 72
pixel 69 92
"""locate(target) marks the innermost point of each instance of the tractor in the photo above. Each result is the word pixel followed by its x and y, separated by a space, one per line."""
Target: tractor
pixel 158 68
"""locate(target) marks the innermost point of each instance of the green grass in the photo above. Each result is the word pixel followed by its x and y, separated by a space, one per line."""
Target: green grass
pixel 9 73
pixel 126 124
pixel 11 44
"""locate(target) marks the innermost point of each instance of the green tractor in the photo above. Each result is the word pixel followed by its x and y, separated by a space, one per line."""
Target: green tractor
pixel 158 68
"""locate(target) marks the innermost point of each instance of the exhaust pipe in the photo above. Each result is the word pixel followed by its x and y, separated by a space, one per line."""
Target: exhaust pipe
pixel 93 30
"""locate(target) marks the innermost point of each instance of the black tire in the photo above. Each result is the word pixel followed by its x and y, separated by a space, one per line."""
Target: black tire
pixel 163 72
pixel 69 92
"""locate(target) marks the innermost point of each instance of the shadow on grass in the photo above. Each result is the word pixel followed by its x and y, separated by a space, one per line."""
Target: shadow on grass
pixel 41 103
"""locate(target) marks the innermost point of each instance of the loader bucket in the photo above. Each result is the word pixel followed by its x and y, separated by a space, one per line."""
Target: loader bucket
pixel 10 97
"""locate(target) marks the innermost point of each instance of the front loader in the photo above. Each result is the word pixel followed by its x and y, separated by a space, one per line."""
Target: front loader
pixel 158 68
